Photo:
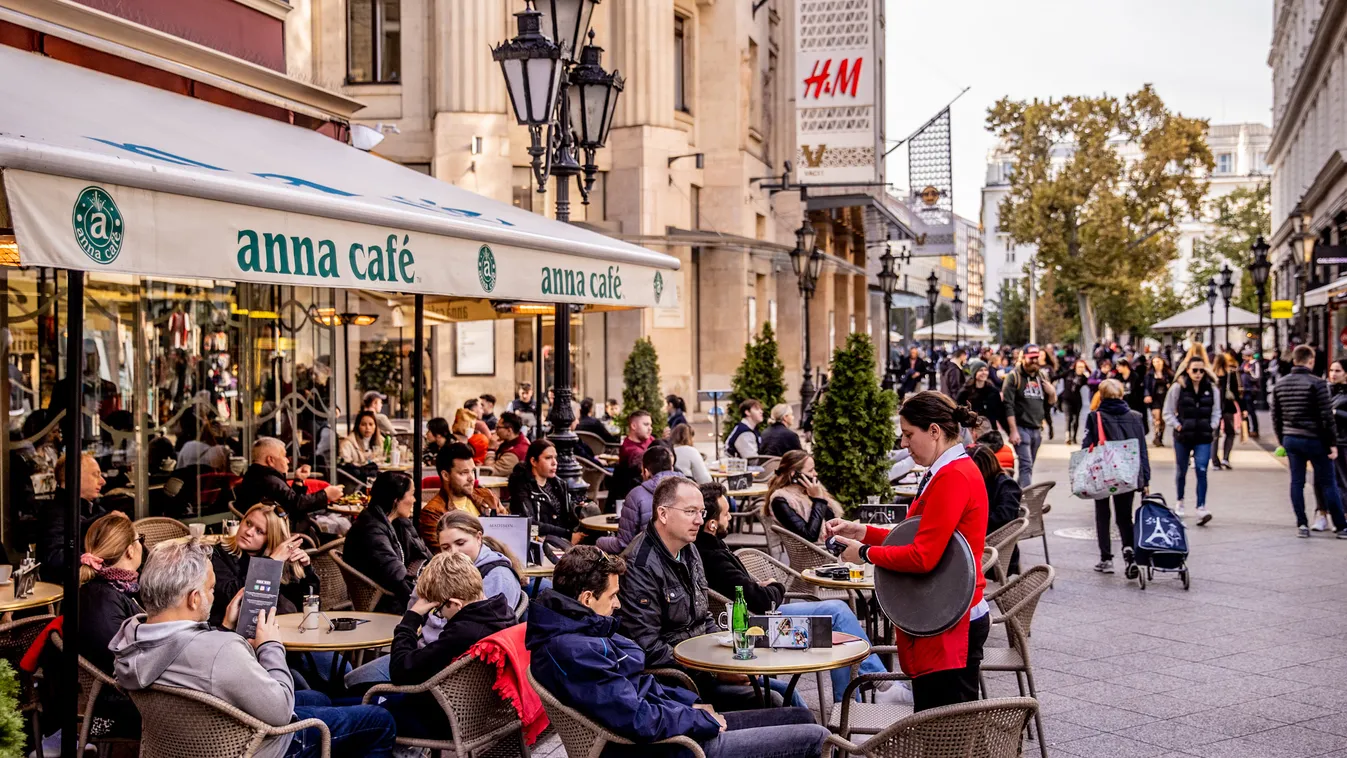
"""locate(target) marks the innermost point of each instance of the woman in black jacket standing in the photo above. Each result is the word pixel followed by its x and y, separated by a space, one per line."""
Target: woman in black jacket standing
pixel 1337 389
pixel 536 492
pixel 1228 389
pixel 983 396
pixel 1158 379
pixel 383 543
pixel 1119 423
pixel 1072 401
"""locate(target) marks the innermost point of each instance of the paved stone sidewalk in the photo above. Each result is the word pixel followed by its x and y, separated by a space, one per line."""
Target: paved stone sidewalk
pixel 1251 662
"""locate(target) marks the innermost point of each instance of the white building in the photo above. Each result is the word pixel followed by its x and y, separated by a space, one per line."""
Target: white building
pixel 1240 151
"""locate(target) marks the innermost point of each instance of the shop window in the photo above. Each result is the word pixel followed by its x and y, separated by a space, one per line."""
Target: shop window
pixel 373 41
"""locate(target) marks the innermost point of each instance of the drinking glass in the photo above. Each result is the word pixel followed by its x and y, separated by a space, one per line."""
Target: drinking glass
pixel 857 571
pixel 743 647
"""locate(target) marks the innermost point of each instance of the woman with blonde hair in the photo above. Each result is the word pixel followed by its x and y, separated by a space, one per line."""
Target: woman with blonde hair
pixel 1193 410
pixel 461 532
pixel 109 584
pixel 797 500
pixel 1119 422
pixel 688 461
pixel 263 533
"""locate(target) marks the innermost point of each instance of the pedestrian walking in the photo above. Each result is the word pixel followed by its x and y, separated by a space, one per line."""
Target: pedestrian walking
pixel 1250 382
pixel 1134 389
pixel 1193 411
pixel 1120 422
pixel 1072 400
pixel 1227 384
pixel 1158 381
pixel 1028 394
pixel 983 396
pixel 952 377
pixel 1337 390
pixel 1303 418
pixel 913 369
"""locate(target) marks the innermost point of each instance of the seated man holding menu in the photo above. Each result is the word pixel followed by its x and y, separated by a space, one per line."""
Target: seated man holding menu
pixel 579 657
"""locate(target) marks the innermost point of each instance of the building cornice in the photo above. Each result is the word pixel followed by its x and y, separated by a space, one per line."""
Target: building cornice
pixel 82 25
pixel 1311 71
pixel 277 9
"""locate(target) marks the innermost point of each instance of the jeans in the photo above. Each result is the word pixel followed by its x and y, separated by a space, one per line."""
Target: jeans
pixel 366 731
pixel 843 621
pixel 1201 454
pixel 769 733
pixel 1251 405
pixel 374 672
pixel 1122 506
pixel 1026 452
pixel 1302 450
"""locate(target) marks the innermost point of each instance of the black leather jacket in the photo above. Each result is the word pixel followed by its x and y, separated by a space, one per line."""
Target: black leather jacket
pixel 663 600
pixel 385 552
pixel 262 484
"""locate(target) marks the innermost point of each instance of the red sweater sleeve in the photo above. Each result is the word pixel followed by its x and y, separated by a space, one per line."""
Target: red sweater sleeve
pixel 941 506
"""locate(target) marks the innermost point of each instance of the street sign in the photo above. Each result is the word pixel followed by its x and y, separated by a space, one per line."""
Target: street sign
pixel 1281 308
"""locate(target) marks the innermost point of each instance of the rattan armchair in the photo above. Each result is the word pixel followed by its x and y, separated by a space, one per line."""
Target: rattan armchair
pixel 1017 601
pixel 1035 502
pixel 183 723
pixel 332 592
pixel 804 554
pixel 981 729
pixel 991 558
pixel 93 681
pixel 15 639
pixel 521 607
pixel 762 566
pixel 156 529
pixel 583 738
pixel 478 718
pixel 365 592
pixel 1004 540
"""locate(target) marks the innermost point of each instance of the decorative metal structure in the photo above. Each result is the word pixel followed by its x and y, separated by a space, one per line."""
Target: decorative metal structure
pixel 1259 270
pixel 1227 291
pixel 957 303
pixel 568 106
pixel 1211 311
pixel 888 284
pixel 932 295
pixel 808 264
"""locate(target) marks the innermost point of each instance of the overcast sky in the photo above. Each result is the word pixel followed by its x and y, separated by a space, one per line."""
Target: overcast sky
pixel 1206 58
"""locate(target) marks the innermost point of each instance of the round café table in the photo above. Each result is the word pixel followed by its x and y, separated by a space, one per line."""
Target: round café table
pixel 755 490
pixel 44 593
pixel 377 632
pixel 876 623
pixel 598 523
pixel 707 653
pixel 493 482
pixel 537 571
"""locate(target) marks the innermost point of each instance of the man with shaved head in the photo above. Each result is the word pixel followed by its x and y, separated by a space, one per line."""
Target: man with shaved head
pixel 265 482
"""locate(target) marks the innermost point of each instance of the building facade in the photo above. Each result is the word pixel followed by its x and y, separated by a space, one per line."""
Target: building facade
pixel 702 131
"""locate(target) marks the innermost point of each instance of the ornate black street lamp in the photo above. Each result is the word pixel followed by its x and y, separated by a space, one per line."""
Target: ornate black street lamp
pixel 932 295
pixel 958 306
pixel 1211 311
pixel 1227 290
pixel 808 264
pixel 568 106
pixel 1259 270
pixel 888 284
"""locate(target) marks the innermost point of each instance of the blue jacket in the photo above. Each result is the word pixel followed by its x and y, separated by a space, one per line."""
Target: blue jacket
pixel 637 510
pixel 579 657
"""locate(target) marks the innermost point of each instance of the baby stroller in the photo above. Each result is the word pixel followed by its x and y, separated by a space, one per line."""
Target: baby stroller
pixel 1161 544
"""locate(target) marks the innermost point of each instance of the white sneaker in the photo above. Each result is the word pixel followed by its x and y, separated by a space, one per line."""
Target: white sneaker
pixel 899 693
pixel 1202 515
pixel 1320 524
pixel 1178 509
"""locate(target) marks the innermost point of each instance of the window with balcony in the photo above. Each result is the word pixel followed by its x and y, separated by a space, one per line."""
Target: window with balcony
pixel 373 41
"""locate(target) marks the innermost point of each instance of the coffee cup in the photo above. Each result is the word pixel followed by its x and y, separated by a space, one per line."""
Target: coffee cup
pixel 6 572
pixel 197 530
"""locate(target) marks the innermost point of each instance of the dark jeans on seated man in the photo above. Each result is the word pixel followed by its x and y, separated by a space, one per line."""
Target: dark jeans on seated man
pixel 767 733
pixel 366 731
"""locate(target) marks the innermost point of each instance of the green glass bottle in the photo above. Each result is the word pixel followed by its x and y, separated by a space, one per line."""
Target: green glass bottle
pixel 739 614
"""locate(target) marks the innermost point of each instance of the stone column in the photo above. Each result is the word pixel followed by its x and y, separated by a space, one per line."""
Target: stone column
pixel 468 96
pixel 641 47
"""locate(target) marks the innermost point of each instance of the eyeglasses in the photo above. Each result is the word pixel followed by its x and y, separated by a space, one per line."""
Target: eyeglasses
pixel 691 512
pixel 141 539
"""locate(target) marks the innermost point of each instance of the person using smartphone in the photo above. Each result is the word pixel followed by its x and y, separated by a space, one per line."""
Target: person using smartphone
pixel 797 500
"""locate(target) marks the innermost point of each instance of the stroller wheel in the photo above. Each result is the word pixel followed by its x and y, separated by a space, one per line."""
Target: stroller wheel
pixel 1141 577
pixel 1184 576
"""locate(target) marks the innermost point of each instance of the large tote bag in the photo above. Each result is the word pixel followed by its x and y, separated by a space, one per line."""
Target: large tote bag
pixel 1108 468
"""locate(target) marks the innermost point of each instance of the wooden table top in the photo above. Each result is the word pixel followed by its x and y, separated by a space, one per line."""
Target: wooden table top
pixel 757 490
pixel 868 583
pixel 706 653
pixel 378 632
pixel 598 523
pixel 716 473
pixel 608 458
pixel 532 572
pixel 493 482
pixel 44 593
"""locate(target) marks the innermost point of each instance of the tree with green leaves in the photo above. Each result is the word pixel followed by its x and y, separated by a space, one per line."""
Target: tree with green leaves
pixel 1100 186
pixel 640 390
pixel 1008 315
pixel 943 313
pixel 854 427
pixel 761 376
pixel 1239 218
pixel 12 735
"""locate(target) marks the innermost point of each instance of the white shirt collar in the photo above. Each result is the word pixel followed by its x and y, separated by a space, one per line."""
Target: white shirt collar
pixel 949 456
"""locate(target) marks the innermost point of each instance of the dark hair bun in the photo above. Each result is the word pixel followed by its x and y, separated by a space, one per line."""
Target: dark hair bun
pixel 965 416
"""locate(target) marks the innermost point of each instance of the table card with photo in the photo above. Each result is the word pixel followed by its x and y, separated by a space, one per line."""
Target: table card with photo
pixel 794 632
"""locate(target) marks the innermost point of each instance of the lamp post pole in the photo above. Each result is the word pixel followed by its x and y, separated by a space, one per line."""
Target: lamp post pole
pixel 958 306
pixel 808 263
pixel 1227 291
pixel 1211 311
pixel 932 296
pixel 888 284
pixel 1258 270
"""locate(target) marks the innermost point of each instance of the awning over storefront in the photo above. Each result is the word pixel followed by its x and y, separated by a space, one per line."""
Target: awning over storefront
pixel 1320 296
pixel 105 174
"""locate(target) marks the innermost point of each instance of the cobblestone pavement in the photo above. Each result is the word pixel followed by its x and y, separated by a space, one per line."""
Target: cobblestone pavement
pixel 1251 662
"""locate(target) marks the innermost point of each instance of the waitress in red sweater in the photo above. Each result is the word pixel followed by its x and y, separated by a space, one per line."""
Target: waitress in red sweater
pixel 950 497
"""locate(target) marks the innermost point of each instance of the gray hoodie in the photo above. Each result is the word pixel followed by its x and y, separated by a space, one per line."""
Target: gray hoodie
pixel 191 655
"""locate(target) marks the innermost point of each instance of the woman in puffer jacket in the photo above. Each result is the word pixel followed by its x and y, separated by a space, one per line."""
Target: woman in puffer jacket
pixel 1119 423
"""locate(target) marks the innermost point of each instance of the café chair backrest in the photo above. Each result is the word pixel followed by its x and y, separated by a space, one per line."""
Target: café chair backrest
pixel 156 529
pixel 365 592
pixel 183 723
pixel 93 681
pixel 332 592
pixel 582 737
pixel 592 441
pixel 1004 540
pixel 982 728
pixel 522 607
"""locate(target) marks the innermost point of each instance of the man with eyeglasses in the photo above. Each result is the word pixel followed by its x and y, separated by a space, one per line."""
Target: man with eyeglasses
pixel 663 597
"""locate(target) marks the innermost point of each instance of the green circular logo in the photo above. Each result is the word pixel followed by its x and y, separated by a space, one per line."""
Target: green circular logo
pixel 486 268
pixel 659 286
pixel 98 225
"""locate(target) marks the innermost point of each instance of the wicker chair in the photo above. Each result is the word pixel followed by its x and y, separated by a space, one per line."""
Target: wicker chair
pixel 1035 501
pixel 333 595
pixel 15 639
pixel 522 607
pixel 156 529
pixel 717 603
pixel 762 566
pixel 93 680
pixel 804 554
pixel 583 738
pixel 1017 601
pixel 985 729
pixel 990 558
pixel 365 592
pixel 1004 540
pixel 594 475
pixel 593 441
pixel 478 718
pixel 769 465
pixel 182 723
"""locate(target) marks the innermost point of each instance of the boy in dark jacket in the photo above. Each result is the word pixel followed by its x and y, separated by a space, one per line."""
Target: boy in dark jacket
pixel 579 657
pixel 450 587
